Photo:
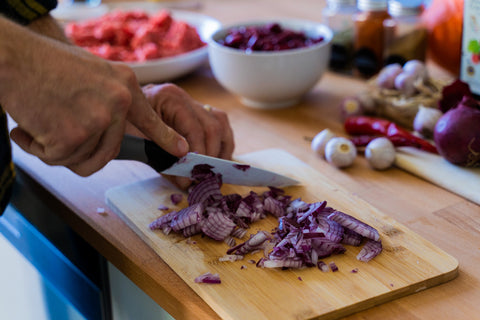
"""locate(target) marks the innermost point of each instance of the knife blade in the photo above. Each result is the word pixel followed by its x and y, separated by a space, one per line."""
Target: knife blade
pixel 233 172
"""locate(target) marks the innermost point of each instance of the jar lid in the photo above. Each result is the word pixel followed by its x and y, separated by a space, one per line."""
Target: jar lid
pixel 405 7
pixel 372 5
pixel 342 3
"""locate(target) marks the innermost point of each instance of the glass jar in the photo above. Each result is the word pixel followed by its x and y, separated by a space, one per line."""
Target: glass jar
pixel 470 59
pixel 338 16
pixel 405 34
pixel 369 36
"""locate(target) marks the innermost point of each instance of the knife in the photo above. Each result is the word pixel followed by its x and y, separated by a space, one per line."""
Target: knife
pixel 146 151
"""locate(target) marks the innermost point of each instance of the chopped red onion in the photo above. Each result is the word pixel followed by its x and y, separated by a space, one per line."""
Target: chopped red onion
pixel 230 257
pixel 206 191
pixel 162 207
pixel 354 224
pixel 333 266
pixel 208 278
pixel 322 266
pixel 255 242
pixel 352 238
pixel 191 230
pixel 242 167
pixel 306 232
pixel 217 226
pixel 162 221
pixel 187 217
pixel 176 198
pixel 370 250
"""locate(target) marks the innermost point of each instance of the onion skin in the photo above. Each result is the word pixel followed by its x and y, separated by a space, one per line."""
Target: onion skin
pixel 457 134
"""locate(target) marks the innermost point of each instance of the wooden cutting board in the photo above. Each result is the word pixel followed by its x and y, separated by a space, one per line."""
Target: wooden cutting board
pixel 463 181
pixel 407 264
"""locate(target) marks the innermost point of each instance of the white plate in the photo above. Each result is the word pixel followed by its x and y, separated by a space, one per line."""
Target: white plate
pixel 158 70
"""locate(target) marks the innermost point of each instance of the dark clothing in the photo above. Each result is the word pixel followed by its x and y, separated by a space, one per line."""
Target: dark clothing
pixel 21 11
pixel 7 174
pixel 25 11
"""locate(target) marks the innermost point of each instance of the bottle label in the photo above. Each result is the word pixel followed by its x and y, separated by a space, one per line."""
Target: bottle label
pixel 470 59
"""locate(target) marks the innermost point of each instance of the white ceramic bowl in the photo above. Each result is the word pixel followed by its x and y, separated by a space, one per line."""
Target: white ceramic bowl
pixel 271 79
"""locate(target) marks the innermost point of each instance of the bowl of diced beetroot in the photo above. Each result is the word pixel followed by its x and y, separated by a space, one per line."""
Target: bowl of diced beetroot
pixel 270 64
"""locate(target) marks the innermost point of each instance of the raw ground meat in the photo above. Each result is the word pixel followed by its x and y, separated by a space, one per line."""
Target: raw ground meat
pixel 134 36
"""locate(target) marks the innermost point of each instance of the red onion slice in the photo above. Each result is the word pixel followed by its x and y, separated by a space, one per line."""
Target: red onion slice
pixel 187 217
pixel 354 224
pixel 217 226
pixel 162 221
pixel 255 242
pixel 206 191
pixel 370 250
pixel 208 278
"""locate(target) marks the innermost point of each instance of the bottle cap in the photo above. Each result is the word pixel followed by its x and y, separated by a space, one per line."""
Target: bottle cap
pixel 372 5
pixel 405 7
pixel 341 3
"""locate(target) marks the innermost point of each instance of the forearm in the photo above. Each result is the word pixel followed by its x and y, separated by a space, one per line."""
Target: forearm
pixel 23 54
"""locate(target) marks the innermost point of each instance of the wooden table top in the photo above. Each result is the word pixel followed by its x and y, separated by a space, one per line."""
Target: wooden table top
pixel 447 220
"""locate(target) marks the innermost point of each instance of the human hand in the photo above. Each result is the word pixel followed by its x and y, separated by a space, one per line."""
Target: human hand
pixel 207 130
pixel 70 106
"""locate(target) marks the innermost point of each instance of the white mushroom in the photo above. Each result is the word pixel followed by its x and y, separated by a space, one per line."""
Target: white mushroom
pixel 340 152
pixel 380 153
pixel 320 141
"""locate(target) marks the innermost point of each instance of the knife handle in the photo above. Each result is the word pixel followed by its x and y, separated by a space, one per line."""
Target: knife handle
pixel 146 151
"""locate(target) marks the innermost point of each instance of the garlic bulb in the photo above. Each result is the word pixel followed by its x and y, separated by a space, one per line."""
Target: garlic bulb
pixel 425 120
pixel 340 152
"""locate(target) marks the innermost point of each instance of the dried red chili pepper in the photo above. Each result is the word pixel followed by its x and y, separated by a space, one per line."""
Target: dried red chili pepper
pixel 368 128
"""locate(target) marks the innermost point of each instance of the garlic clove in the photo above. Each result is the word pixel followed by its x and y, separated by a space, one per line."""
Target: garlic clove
pixel 340 152
pixel 425 120
pixel 380 153
pixel 320 141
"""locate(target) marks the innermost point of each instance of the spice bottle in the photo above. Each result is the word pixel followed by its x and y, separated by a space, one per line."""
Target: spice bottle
pixel 405 33
pixel 369 36
pixel 338 16
pixel 470 58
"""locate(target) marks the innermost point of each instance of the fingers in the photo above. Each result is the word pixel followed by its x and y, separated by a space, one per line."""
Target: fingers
pixel 206 128
pixel 144 118
pixel 227 142
pixel 106 149
pixel 219 140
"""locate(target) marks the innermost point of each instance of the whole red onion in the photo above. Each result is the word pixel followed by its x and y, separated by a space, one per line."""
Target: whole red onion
pixel 457 134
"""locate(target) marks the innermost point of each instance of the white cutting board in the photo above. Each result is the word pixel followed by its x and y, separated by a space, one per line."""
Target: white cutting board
pixel 462 181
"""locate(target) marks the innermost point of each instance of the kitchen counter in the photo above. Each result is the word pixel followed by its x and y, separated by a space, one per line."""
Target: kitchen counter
pixel 444 218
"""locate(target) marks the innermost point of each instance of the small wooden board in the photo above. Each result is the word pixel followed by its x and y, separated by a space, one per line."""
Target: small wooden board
pixel 463 181
pixel 407 264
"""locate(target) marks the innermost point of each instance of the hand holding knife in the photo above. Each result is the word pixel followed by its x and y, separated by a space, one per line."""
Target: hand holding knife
pixel 139 149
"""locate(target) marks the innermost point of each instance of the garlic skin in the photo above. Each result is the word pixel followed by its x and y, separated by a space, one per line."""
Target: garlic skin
pixel 340 152
pixel 405 83
pixel 416 68
pixel 320 141
pixel 380 153
pixel 425 120
pixel 386 77
pixel 367 101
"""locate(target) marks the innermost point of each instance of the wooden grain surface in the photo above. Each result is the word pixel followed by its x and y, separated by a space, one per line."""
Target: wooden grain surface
pixel 408 263
pixel 444 218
